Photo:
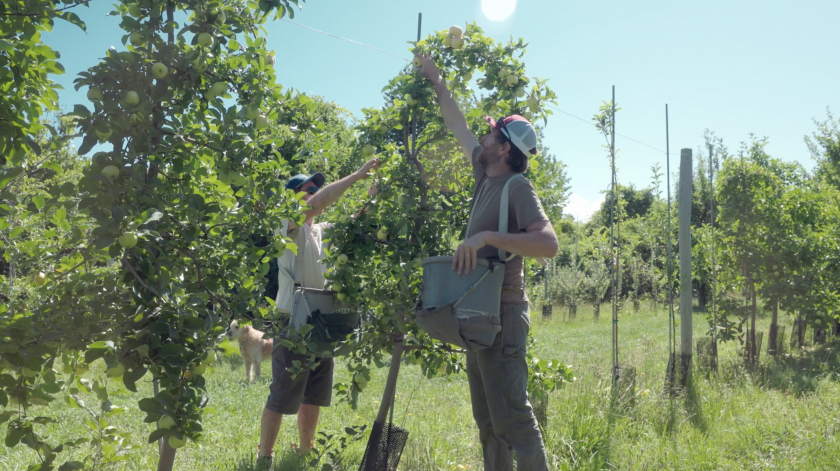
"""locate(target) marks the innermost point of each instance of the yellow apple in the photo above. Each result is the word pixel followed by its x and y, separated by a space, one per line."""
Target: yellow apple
pixel 116 371
pixel 456 31
pixel 200 369
pixel 175 441
pixel 219 88
pixel 261 122
pixel 111 172
pixel 102 135
pixel 128 239
pixel 94 94
pixel 457 42
pixel 447 41
pixel 40 279
pixel 159 70
pixel 205 40
pixel 199 65
pixel 132 97
pixel 166 422
pixel 210 357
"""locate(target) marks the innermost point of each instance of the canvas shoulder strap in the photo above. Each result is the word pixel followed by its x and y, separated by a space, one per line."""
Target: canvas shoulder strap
pixel 504 208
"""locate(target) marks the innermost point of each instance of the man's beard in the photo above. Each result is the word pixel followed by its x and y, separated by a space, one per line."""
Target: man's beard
pixel 487 160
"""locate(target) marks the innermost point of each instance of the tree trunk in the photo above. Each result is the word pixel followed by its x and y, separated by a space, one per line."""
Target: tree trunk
pixel 702 295
pixel 752 353
pixel 772 338
pixel 596 309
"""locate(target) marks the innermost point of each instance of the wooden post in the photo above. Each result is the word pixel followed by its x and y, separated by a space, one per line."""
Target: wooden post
pixel 686 324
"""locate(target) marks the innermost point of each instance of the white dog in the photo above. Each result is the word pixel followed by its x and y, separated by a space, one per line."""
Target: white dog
pixel 252 346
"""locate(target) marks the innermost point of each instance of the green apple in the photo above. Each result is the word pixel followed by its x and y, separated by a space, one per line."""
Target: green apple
pixel 209 95
pixel 116 371
pixel 447 41
pixel 67 368
pixel 28 373
pixel 40 279
pixel 344 219
pixel 467 76
pixel 504 74
pixel 166 422
pixel 128 239
pixel 337 287
pixel 533 100
pixel 402 199
pixel 200 65
pixel 279 245
pixel 200 369
pixel 251 112
pixel 102 135
pixel 261 122
pixel 80 369
pixel 457 42
pixel 237 178
pixel 126 56
pixel 111 172
pixel 519 93
pixel 219 88
pixel 205 40
pixel 456 31
pixel 132 97
pixel 382 234
pixel 418 62
pixel 368 150
pixel 210 357
pixel 341 296
pixel 360 380
pixel 341 259
pixel 94 94
pixel 159 70
pixel 224 177
pixel 176 442
pixel 134 10
pixel 527 115
pixel 135 38
pixel 270 59
pixel 512 80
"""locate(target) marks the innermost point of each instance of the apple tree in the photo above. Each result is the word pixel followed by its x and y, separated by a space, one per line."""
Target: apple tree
pixel 424 188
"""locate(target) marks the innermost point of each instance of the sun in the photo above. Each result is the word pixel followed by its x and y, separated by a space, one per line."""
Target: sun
pixel 498 10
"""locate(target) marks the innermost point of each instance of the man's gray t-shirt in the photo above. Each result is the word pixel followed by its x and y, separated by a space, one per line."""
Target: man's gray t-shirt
pixel 524 209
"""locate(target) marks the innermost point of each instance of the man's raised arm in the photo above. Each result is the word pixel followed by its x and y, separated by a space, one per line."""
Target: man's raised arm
pixel 452 115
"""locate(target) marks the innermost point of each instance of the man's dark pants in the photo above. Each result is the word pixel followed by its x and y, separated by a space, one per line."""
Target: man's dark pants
pixel 498 378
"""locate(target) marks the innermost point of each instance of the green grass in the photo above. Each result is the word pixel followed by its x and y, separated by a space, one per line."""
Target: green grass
pixel 782 415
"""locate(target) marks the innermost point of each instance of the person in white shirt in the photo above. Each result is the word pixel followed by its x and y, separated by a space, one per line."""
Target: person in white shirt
pixel 307 392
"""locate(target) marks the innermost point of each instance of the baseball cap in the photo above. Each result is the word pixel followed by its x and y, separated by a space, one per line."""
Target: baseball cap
pixel 519 130
pixel 317 178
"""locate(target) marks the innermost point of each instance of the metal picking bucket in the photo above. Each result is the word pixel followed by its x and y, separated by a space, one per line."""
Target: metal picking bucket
pixel 442 285
pixel 308 300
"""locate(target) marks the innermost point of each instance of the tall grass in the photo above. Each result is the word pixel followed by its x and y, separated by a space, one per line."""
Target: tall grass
pixel 783 414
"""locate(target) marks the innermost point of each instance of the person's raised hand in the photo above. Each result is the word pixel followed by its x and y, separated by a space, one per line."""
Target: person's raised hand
pixel 368 167
pixel 428 68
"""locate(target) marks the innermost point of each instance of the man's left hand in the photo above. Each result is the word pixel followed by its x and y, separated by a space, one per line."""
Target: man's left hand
pixel 466 255
pixel 367 168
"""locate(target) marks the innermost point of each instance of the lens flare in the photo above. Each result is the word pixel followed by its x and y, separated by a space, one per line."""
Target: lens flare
pixel 498 10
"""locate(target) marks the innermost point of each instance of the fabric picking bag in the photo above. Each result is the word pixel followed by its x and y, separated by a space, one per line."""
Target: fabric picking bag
pixel 330 322
pixel 469 319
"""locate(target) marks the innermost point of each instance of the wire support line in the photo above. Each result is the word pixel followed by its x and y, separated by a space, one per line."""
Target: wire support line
pixel 592 124
pixel 346 39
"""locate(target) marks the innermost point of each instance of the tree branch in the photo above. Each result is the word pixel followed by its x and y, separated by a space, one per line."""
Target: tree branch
pixel 36 15
pixel 136 276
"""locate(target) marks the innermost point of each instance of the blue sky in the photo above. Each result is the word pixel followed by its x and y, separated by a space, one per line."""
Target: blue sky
pixel 734 67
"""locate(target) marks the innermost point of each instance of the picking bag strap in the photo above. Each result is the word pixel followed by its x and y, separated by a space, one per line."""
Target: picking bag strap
pixel 504 208
pixel 474 204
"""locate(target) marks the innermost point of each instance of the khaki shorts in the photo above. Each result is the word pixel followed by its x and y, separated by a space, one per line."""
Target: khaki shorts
pixel 313 387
